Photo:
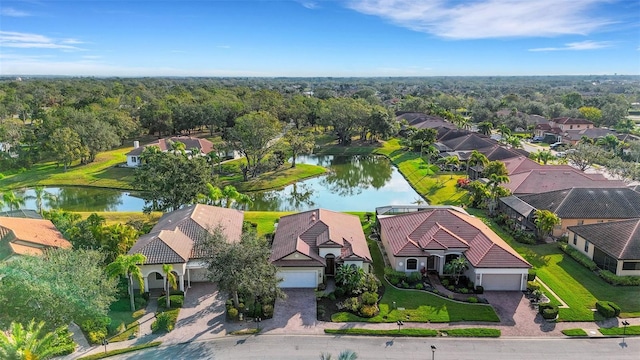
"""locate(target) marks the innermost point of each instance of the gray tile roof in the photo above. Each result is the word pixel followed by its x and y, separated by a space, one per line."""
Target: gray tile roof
pixel 518 205
pixel 588 203
pixel 551 178
pixel 620 239
pixel 179 235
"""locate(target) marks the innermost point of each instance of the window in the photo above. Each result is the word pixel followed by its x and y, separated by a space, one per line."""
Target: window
pixel 159 276
pixel 570 126
pixel 412 264
pixel 631 265
pixel 586 246
pixel 575 239
pixel 580 222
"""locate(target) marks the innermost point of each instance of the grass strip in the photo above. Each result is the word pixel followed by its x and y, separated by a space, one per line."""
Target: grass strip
pixel 472 332
pixel 574 332
pixel 245 332
pixel 110 353
pixel 372 332
pixel 633 330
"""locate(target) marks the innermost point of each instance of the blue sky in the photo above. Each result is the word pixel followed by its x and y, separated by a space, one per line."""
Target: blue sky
pixel 319 38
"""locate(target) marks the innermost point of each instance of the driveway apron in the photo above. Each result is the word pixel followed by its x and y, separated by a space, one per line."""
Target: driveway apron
pixel 294 315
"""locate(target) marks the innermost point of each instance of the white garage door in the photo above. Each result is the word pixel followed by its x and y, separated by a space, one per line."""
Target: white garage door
pixel 297 279
pixel 501 282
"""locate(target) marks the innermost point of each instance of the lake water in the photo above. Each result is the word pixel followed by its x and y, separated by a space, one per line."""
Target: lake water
pixel 353 183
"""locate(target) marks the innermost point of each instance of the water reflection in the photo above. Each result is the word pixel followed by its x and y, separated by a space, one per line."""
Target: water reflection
pixel 75 198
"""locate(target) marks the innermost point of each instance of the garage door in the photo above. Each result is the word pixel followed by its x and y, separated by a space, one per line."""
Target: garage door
pixel 501 282
pixel 298 279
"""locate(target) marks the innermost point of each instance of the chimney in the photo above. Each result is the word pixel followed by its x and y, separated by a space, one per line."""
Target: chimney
pixel 313 216
pixel 136 144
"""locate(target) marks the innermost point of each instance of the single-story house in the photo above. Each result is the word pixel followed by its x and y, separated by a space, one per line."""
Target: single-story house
pixel 575 206
pixel 201 146
pixel 430 239
pixel 613 246
pixel 28 236
pixel 179 239
pixel 308 246
pixel 552 178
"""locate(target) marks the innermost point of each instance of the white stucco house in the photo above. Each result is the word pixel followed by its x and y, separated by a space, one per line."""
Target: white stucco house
pixel 201 146
pixel 178 239
pixel 308 246
pixel 428 239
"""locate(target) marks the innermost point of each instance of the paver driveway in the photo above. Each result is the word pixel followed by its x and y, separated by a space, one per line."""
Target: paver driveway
pixel 294 315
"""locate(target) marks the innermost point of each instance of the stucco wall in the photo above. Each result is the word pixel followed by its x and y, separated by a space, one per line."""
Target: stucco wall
pixel 562 228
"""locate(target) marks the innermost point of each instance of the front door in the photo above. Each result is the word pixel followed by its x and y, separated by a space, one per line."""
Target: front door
pixel 330 269
pixel 431 263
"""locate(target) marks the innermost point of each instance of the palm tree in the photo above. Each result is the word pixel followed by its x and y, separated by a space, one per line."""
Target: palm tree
pixel 545 221
pixel 477 158
pixel 32 342
pixel 494 183
pixel 10 198
pixel 485 127
pixel 514 141
pixel 504 132
pixel 455 267
pixel 213 195
pixel 128 265
pixel 40 194
pixel 169 281
pixel 429 151
pixel 345 355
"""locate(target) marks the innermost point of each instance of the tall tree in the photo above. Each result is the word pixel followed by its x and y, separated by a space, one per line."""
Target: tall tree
pixel 129 267
pixel 66 146
pixel 300 143
pixel 477 158
pixel 33 342
pixel 59 287
pixel 545 221
pixel 485 127
pixel 170 282
pixel 584 155
pixel 345 115
pixel 253 136
pixel 12 200
pixel 40 195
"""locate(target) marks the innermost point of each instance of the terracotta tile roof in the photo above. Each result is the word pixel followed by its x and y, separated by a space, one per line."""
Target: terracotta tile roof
pixel 205 146
pixel 179 235
pixel 31 236
pixel 620 239
pixel 592 133
pixel 307 231
pixel 448 229
pixel 588 203
pixel 552 178
pixel 571 121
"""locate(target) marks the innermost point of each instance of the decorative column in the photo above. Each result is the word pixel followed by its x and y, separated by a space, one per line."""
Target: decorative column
pixel 181 279
pixel 146 283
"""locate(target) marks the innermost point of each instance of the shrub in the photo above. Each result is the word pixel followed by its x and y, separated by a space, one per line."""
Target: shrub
pixel 524 237
pixel 339 292
pixel 393 276
pixel 331 296
pixel 96 329
pixel 121 305
pixel 548 310
pixel 371 283
pixel 369 298
pixel 532 275
pixel 419 286
pixel 165 322
pixel 614 279
pixel 533 286
pixel 415 276
pixel 368 311
pixel 450 296
pixel 140 302
pixel 232 313
pixel 229 303
pixel 479 289
pixel 578 256
pixel 405 285
pixel 176 301
pixel 445 282
pixel 267 311
pixel 451 288
pixel 351 304
pixel 472 299
pixel 463 290
pixel 608 309
pixel 321 311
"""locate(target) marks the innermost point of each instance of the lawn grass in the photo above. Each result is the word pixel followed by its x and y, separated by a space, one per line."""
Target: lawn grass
pixel 124 317
pixel 115 352
pixel 633 330
pixel 122 217
pixel 395 332
pixel 472 332
pixel 576 285
pixel 245 332
pixel 574 332
pixel 100 173
pixel 264 219
pixel 280 178
pixel 419 306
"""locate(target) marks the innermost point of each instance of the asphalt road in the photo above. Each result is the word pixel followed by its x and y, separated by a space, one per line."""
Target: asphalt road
pixel 310 347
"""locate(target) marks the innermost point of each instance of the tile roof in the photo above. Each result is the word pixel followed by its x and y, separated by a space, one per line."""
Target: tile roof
pixel 588 203
pixel 498 152
pixel 552 178
pixel 414 234
pixel 205 146
pixel 423 121
pixel 308 231
pixel 620 239
pixel 470 141
pixel 592 133
pixel 571 121
pixel 179 235
pixel 21 213
pixel 452 134
pixel 520 164
pixel 28 236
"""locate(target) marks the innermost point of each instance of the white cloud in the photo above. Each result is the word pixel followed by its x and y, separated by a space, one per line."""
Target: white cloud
pixel 577 46
pixel 12 39
pixel 483 19
pixel 309 4
pixel 13 12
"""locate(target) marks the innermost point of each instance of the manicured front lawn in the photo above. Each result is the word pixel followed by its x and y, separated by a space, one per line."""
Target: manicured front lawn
pixel 574 332
pixel 396 332
pixel 631 330
pixel 420 306
pixel 128 319
pixel 576 285
pixel 473 332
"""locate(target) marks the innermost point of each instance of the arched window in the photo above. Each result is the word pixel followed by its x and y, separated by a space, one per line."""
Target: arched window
pixel 412 264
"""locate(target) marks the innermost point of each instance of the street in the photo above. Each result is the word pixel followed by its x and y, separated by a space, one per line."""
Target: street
pixel 310 347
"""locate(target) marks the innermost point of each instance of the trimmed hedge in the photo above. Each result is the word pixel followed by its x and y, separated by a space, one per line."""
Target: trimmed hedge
pixel 614 279
pixel 103 355
pixel 578 256
pixel 608 309
pixel 532 275
pixel 548 311
pixel 165 321
pixel 176 301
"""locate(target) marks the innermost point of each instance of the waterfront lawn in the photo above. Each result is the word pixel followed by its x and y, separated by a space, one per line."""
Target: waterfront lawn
pixel 576 285
pixel 264 219
pixel 280 178
pixel 100 173
pixel 419 306
pixel 117 217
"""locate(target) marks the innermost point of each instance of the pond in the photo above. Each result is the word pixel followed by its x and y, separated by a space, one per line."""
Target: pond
pixel 353 183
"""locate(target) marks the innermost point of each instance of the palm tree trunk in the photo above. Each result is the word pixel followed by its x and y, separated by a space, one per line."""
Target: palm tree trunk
pixel 133 304
pixel 167 292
